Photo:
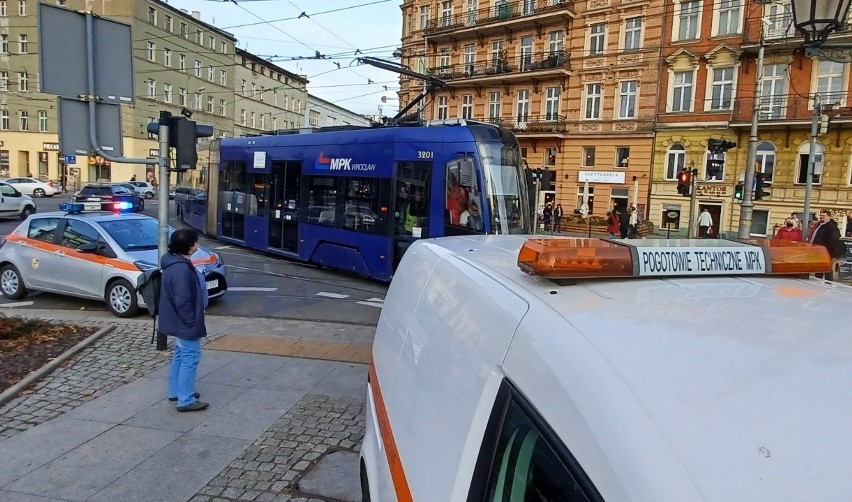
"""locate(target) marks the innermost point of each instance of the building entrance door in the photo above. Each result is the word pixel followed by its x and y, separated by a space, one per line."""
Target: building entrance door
pixel 715 211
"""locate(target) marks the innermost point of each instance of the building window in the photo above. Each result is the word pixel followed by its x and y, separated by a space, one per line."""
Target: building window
pixel 773 95
pixel 151 51
pixel 167 93
pixel 760 223
pixel 424 16
pixel 223 77
pixel 444 61
pixel 443 108
pixel 23 45
pixel 446 13
pixel 4 119
pixel 467 107
pixel 198 36
pixel 550 156
pixel 590 198
pixel 729 17
pixel 222 107
pixel 633 34
pixel 682 91
pixel 223 47
pixel 687 19
pixel 274 97
pixel 675 161
pixel 627 99
pixel 526 52
pixel 22 7
pixel 23 82
pixel 24 120
pixel 780 16
pixel 243 87
pixel 168 23
pixel 211 43
pixel 197 103
pixel 167 57
pixel 557 42
pixel 588 156
pixel 469 58
pixel 494 104
pixel 4 80
pixel 197 68
pixel 210 102
pixel 4 44
pixel 313 118
pixel 722 89
pixel 3 9
pixel 622 157
pixel 42 121
pixel 497 54
pixel 152 15
pixel 184 32
pixel 152 88
pixel 182 96
pixel 523 107
pixel 210 73
pixel 263 121
pixel 597 32
pixel 182 62
pixel 551 104
pixel 765 158
pixel 804 154
pixel 593 101
pixel 243 119
pixel 830 82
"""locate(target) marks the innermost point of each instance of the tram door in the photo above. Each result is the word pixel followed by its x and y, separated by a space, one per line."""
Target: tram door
pixel 284 205
pixel 412 185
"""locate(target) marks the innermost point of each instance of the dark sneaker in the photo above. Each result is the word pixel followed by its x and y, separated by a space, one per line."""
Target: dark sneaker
pixel 197 395
pixel 196 406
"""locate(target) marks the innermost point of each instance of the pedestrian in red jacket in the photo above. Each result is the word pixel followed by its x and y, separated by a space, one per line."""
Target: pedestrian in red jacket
pixel 789 232
pixel 612 224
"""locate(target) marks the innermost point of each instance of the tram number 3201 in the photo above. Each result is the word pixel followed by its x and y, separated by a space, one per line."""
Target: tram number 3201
pixel 425 154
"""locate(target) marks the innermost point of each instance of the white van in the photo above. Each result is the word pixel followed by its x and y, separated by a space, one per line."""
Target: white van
pixel 514 369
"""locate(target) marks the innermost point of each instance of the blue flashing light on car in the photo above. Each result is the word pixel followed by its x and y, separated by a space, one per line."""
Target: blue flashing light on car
pixel 79 207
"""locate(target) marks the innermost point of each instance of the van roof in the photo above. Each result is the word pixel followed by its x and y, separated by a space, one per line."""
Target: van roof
pixel 737 383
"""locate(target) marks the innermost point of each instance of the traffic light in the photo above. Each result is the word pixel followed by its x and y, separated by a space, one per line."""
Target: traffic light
pixel 719 145
pixel 738 190
pixel 758 187
pixel 684 183
pixel 183 136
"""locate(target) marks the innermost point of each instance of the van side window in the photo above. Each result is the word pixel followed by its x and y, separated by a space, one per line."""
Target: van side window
pixel 43 229
pixel 523 460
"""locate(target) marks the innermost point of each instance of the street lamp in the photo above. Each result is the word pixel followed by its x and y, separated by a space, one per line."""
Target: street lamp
pixel 817 19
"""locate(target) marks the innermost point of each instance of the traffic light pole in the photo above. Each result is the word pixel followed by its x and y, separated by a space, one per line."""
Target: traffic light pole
pixel 747 206
pixel 693 202
pixel 163 189
pixel 809 179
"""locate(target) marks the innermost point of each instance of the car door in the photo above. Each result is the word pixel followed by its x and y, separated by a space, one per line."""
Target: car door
pixel 81 272
pixel 9 200
pixel 35 256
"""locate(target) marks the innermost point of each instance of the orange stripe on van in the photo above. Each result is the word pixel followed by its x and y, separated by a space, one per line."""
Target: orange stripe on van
pixel 400 483
pixel 72 253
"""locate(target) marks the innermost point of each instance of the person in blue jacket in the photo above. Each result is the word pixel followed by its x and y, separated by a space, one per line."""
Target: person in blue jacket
pixel 183 298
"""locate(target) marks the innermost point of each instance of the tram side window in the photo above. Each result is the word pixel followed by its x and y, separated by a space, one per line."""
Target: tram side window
pixel 464 197
pixel 256 197
pixel 525 466
pixel 322 200
pixel 412 198
pixel 363 208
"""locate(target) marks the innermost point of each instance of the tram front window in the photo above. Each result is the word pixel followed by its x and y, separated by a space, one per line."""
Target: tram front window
pixel 505 187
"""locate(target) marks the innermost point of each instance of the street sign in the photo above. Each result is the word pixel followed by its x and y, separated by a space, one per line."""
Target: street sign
pixel 70 159
pixel 74 127
pixel 62 53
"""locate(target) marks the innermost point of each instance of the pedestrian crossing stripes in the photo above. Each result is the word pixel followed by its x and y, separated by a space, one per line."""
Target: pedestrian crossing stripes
pixel 371 302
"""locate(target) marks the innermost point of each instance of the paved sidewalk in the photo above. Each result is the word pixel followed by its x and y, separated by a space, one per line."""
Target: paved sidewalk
pixel 99 428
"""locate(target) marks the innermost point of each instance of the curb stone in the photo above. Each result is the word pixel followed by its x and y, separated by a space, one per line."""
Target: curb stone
pixel 51 365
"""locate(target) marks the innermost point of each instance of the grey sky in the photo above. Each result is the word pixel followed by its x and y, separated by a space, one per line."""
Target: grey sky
pixel 273 30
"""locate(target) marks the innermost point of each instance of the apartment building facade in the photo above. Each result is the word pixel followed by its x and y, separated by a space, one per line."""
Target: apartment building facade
pixel 708 91
pixel 575 81
pixel 321 113
pixel 268 97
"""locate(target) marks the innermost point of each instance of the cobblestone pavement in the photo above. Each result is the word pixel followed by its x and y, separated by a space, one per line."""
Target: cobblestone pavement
pixel 118 358
pixel 269 469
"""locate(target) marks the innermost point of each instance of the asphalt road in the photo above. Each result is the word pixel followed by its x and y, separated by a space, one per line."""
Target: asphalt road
pixel 259 285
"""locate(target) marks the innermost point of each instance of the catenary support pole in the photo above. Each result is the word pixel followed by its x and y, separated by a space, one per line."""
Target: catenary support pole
pixel 809 177
pixel 747 205
pixel 693 202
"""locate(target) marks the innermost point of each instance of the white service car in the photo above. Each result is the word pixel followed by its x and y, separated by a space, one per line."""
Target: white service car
pixel 559 369
pixel 15 204
pixel 144 188
pixel 33 186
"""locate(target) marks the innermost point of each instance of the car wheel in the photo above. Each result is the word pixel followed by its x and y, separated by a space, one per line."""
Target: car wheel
pixel 27 211
pixel 141 205
pixel 365 484
pixel 121 299
pixel 38 192
pixel 11 283
pixel 149 195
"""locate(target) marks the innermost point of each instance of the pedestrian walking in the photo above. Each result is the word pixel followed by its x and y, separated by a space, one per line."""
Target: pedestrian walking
pixel 623 221
pixel 557 215
pixel 133 178
pixel 183 298
pixel 705 221
pixel 546 216
pixel 612 224
pixel 827 234
pixel 632 223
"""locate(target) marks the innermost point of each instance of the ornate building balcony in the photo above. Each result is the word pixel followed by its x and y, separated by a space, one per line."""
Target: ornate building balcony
pixel 534 125
pixel 495 19
pixel 542 64
pixel 785 110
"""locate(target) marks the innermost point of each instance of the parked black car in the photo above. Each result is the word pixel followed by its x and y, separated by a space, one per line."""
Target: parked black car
pixel 111 193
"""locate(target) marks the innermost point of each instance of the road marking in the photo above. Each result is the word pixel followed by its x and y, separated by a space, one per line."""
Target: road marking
pixel 247 288
pixel 337 296
pixel 224 247
pixel 18 304
pixel 371 304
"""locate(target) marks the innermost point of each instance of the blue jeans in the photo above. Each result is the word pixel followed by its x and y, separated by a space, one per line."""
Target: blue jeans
pixel 182 372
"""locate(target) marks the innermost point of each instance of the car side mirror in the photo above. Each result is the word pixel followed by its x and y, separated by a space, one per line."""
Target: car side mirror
pixel 92 247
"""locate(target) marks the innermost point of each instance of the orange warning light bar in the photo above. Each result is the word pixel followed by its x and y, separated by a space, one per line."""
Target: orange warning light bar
pixel 791 258
pixel 575 258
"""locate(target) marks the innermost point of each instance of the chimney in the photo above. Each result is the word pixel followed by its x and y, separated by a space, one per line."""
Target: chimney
pixel 196 14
